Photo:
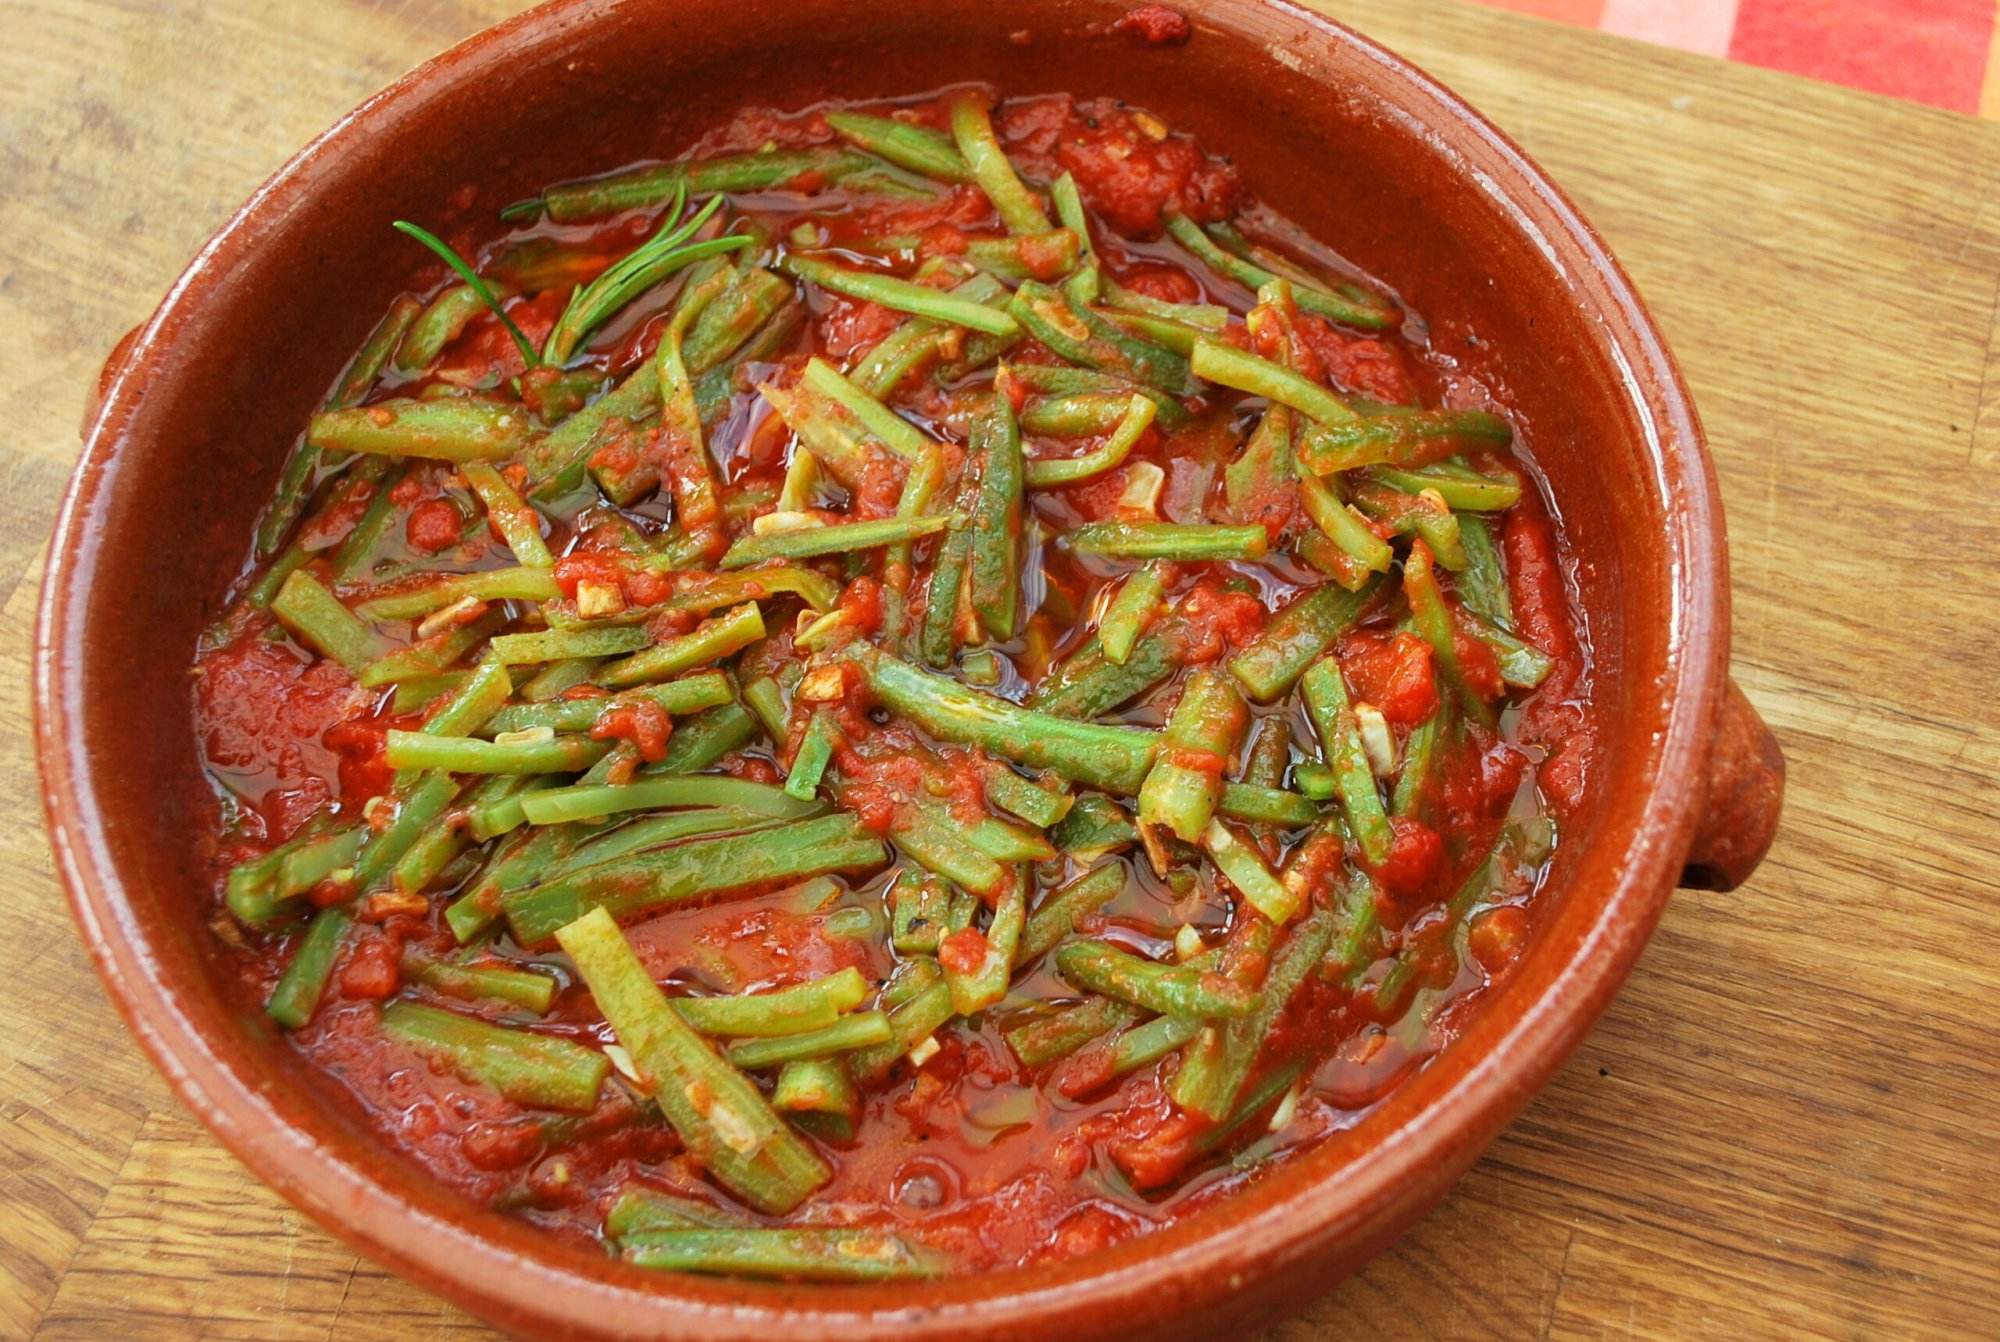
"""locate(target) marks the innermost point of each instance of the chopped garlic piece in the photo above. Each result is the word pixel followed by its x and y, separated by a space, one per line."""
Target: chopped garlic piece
pixel 924 1050
pixel 597 599
pixel 735 1131
pixel 1143 483
pixel 378 810
pixel 772 524
pixel 1188 942
pixel 623 1062
pixel 823 685
pixel 527 736
pixel 1287 1109
pixel 1376 739
pixel 462 611
pixel 1152 126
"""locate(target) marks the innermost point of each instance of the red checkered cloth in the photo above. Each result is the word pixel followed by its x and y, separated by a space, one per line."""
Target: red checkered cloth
pixel 1942 52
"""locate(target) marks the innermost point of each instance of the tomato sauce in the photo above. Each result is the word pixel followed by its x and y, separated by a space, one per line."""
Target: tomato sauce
pixel 983 1157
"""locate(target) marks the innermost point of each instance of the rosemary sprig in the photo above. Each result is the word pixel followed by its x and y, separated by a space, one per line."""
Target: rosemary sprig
pixel 661 255
pixel 471 277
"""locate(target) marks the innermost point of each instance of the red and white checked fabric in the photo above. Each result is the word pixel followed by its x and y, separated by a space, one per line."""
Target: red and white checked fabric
pixel 1942 52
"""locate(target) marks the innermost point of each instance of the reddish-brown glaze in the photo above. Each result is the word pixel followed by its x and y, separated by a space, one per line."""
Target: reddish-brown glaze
pixel 1427 195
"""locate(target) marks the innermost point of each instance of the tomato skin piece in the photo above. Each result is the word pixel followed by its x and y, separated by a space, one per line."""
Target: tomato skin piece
pixel 1497 937
pixel 1416 855
pixel 433 527
pixel 1155 25
pixel 642 722
pixel 370 973
pixel 1395 674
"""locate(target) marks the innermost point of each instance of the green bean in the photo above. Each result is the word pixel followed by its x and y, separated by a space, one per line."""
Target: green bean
pixel 937 846
pixel 1059 913
pixel 430 656
pixel 556 462
pixel 995 585
pixel 1091 684
pixel 502 815
pixel 901 295
pixel 446 837
pixel 910 1023
pixel 1025 256
pixel 719 1113
pixel 1406 439
pixel 296 996
pixel 517 521
pixel 715 389
pixel 809 1254
pixel 1219 1062
pixel 717 590
pixel 1340 524
pixel 980 987
pixel 1077 414
pixel 558 754
pixel 554 645
pixel 1232 367
pixel 812 1005
pixel 1178 990
pixel 1112 758
pixel 726 324
pixel 1037 803
pixel 1461 487
pixel 419 804
pixel 1186 541
pixel 539 1070
pixel 1266 806
pixel 639 1209
pixel 660 877
pixel 316 617
pixel 442 321
pixel 1350 304
pixel 834 434
pixel 518 987
pixel 972 130
pixel 377 516
pixel 1316 782
pixel 814 753
pixel 1060 380
pixel 1057 1036
pixel 446 429
pixel 1483 584
pixel 688 695
pixel 894 432
pixel 441 590
pixel 713 639
pixel 923 910
pixel 705 738
pixel 917 148
pixel 295 482
pixel 559 806
pixel 1301 632
pixel 1434 623
pixel 259 889
pixel 1162 331
pixel 1522 664
pixel 1084 285
pixel 846 1034
pixel 1211 317
pixel 642 188
pixel 1259 483
pixel 1057 472
pixel 1244 867
pixel 1083 336
pixel 1181 791
pixel 819 1096
pixel 1325 690
pixel 939 635
pixel 1414 514
pixel 1420 758
pixel 837 538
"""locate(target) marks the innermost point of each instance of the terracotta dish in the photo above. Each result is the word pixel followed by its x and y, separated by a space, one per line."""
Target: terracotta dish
pixel 197 406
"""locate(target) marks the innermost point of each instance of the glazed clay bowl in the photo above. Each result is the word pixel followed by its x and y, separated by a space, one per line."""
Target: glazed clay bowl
pixel 199 405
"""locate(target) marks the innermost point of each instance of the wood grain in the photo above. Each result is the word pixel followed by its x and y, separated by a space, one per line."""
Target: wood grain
pixel 1786 1125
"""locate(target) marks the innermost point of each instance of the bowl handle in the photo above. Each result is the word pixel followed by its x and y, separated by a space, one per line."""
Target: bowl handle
pixel 1743 792
pixel 113 362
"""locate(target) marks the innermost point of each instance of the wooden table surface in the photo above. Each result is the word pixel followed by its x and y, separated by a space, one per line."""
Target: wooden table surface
pixel 1788 1125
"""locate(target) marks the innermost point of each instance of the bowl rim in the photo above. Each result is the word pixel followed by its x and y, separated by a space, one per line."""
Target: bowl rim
pixel 1420 1139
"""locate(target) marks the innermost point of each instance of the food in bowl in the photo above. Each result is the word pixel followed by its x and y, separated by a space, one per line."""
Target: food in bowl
pixel 927 686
